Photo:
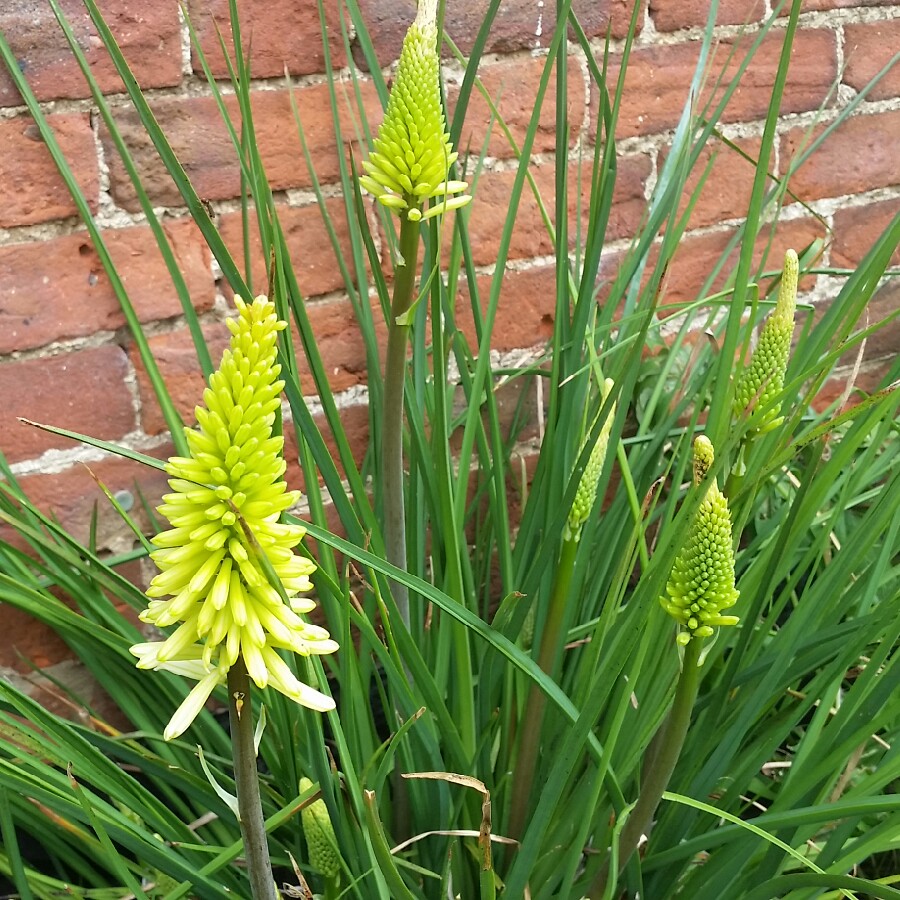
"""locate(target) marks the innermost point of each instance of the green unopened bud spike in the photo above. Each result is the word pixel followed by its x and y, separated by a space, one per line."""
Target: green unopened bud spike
pixel 586 494
pixel 320 837
pixel 701 583
pixel 762 382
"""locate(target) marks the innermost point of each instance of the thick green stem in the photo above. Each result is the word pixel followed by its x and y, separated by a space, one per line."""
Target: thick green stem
pixel 246 777
pixel 656 777
pixel 533 716
pixel 392 418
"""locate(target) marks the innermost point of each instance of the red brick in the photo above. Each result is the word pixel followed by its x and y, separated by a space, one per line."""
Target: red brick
pixel 355 422
pixel 82 391
pixel 857 228
pixel 26 642
pixel 276 34
pixel 526 311
pixel 657 84
pixel 530 236
pixel 73 298
pixel 30 184
pixel 514 27
pixel 859 155
pixel 148 34
pixel 72 494
pixel 201 142
pixel 728 185
pixel 512 84
pixel 868 49
pixel 338 341
pixel 311 252
pixel 697 255
pixel 819 5
pixel 177 361
pixel 671 15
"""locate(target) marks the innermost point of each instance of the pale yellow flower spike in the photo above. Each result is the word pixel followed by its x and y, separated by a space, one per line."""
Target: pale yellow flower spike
pixel 224 509
pixel 412 154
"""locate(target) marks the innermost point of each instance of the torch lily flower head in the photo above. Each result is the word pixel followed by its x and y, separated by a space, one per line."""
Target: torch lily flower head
pixel 762 383
pixel 701 583
pixel 320 837
pixel 586 494
pixel 412 154
pixel 224 509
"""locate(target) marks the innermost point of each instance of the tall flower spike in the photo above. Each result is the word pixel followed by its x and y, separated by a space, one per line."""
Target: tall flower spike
pixel 224 509
pixel 412 154
pixel 701 583
pixel 586 494
pixel 763 380
pixel 320 837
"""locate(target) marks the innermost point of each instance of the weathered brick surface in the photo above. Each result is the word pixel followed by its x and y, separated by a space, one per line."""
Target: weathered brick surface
pixel 530 236
pixel 83 391
pixel 659 76
pixel 200 139
pixel 512 84
pixel 857 228
pixel 729 175
pixel 148 35
pixel 71 496
pixel 820 5
pixel 859 155
pixel 311 252
pixel 671 15
pixel 517 26
pixel 868 49
pixel 40 303
pixel 275 35
pixel 697 255
pixel 30 185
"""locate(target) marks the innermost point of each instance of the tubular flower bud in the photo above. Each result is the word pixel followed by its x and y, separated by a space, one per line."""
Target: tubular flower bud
pixel 701 583
pixel 226 500
pixel 587 487
pixel 763 380
pixel 411 156
pixel 320 838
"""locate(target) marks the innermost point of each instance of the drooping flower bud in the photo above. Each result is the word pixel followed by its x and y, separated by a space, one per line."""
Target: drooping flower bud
pixel 586 494
pixel 762 382
pixel 320 838
pixel 701 583
pixel 226 500
pixel 411 156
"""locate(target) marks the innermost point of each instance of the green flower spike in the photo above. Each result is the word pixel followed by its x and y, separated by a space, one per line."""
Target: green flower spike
pixel 224 510
pixel 763 380
pixel 586 494
pixel 320 838
pixel 412 155
pixel 701 584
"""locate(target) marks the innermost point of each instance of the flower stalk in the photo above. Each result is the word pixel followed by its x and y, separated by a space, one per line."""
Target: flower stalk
pixel 700 586
pixel 408 171
pixel 553 632
pixel 246 779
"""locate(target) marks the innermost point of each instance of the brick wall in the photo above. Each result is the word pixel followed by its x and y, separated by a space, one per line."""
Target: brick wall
pixel 65 356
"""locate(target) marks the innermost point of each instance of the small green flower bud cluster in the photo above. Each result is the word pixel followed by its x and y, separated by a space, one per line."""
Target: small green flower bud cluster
pixel 762 382
pixel 226 500
pixel 412 155
pixel 320 837
pixel 701 583
pixel 586 494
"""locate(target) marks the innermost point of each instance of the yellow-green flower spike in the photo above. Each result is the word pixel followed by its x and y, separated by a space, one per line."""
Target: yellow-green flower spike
pixel 224 509
pixel 701 583
pixel 586 494
pixel 320 838
pixel 763 380
pixel 411 156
